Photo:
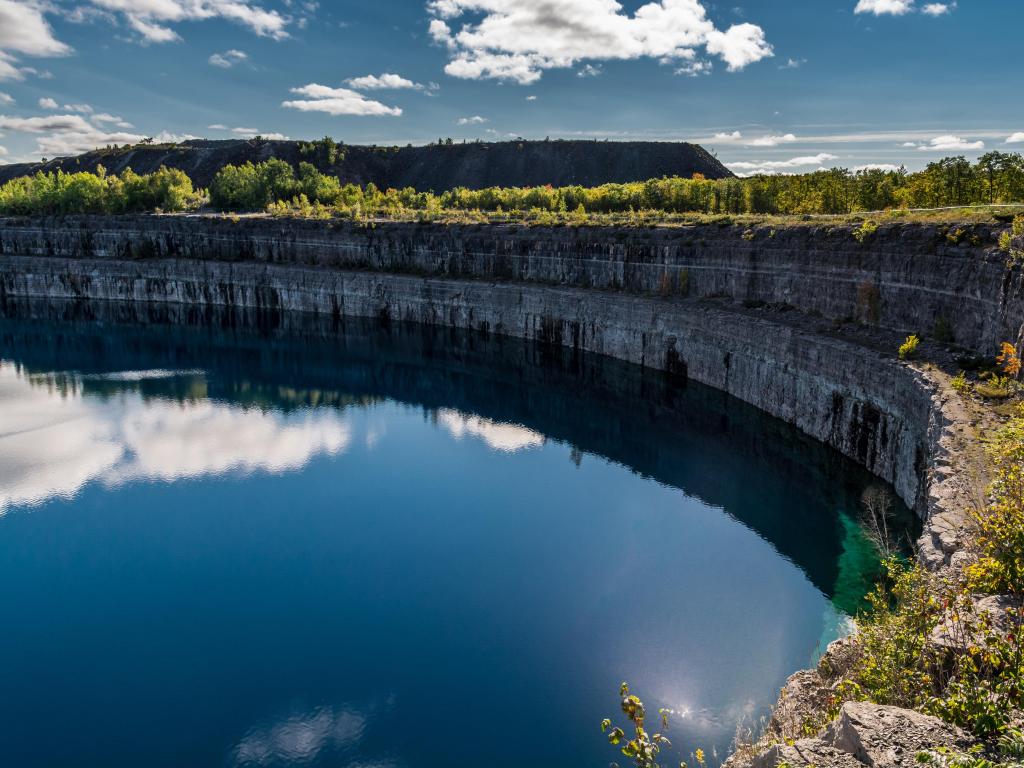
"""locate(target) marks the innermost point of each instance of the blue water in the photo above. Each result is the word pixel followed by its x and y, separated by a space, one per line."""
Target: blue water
pixel 390 547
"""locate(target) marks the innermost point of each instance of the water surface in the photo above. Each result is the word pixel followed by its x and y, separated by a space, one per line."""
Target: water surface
pixel 356 545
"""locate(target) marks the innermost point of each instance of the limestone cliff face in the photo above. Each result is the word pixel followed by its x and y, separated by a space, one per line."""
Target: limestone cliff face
pixel 908 278
pixel 750 312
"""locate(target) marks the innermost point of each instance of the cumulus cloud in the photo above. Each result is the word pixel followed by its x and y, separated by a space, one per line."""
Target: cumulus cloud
pixel 6 98
pixel 727 137
pixel 877 167
pixel 773 141
pixel 386 81
pixel 474 120
pixel 950 144
pixel 518 39
pixel 150 18
pixel 1015 138
pixel 337 101
pixel 767 167
pixel 740 45
pixel 531 97
pixel 24 30
pixel 228 59
pixel 883 7
pixel 48 103
pixel 902 7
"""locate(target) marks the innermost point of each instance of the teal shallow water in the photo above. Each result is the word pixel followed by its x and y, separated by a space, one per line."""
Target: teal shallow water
pixel 391 547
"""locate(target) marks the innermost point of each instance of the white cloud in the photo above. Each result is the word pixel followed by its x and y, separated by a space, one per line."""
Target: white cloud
pixel 950 143
pixel 902 7
pixel 228 59
pixel 65 134
pixel 337 101
pixel 249 133
pixel 877 167
pixel 518 39
pixel 3 150
pixel 386 81
pixel 150 17
pixel 881 7
pixel 739 46
pixel 773 141
pixel 48 103
pixel 6 98
pixel 695 68
pixel 531 97
pixel 745 168
pixel 104 117
pixel 474 120
pixel 217 127
pixel 24 30
pixel 1015 138
pixel 793 64
pixel 589 70
pixel 723 138
pixel 85 109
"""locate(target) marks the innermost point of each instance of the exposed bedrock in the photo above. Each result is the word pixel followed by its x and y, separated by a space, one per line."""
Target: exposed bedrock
pixel 704 303
pixel 910 278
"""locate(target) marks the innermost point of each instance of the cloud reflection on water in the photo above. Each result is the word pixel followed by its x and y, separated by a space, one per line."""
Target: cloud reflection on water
pixel 499 436
pixel 300 738
pixel 54 442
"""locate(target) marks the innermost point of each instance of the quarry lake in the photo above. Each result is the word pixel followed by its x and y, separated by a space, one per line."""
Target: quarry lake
pixel 240 541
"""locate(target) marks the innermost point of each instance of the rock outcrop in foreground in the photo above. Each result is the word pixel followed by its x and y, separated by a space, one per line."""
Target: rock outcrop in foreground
pixel 868 735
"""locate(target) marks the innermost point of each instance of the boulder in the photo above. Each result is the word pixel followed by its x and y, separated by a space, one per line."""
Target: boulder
pixel 889 737
pixel 805 752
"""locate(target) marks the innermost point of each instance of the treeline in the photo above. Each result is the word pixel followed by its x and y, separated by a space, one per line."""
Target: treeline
pixel 277 187
pixel 167 189
pixel 995 178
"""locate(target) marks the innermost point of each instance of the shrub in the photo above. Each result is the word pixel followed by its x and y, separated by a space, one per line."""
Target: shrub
pixel 1008 359
pixel 865 231
pixel 908 349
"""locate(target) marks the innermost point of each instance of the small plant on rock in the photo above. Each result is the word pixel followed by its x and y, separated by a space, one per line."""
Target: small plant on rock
pixel 908 349
pixel 865 231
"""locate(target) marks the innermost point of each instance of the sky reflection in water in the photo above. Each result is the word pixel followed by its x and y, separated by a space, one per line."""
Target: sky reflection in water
pixel 209 567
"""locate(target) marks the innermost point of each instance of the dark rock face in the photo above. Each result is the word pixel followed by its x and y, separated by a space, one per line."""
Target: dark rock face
pixel 436 167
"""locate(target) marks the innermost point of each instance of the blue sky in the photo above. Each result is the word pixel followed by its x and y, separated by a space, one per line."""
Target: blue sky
pixel 769 85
